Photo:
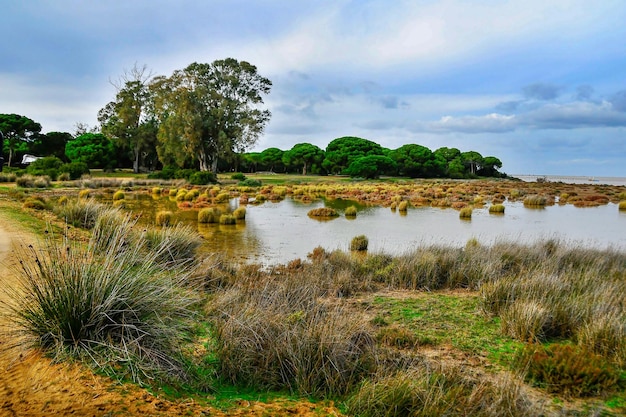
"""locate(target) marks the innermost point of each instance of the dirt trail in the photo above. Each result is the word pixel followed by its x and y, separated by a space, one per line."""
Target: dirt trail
pixel 30 385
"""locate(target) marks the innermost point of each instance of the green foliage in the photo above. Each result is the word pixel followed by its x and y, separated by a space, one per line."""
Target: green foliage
pixel 45 166
pixel 119 195
pixel 371 166
pixel 250 182
pixel 75 169
pixel 359 243
pixel 202 178
pixel 351 211
pixel 303 154
pixel 50 144
pixel 567 370
pixel 93 149
pixel 418 161
pixel 342 152
pixel 238 176
pixel 17 131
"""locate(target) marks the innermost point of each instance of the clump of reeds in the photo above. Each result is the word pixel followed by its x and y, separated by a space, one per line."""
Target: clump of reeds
pixel 84 193
pixel 119 195
pixel 164 218
pixel 7 177
pixel 403 206
pixel 80 213
pixel 30 181
pixel 277 334
pixel 227 219
pixel 222 197
pixel 351 211
pixel 157 191
pixel 209 215
pixel 465 213
pixel 323 212
pixel 36 203
pixel 172 246
pixel 535 201
pixel 109 304
pixel 359 243
pixel 239 213
pixel 496 209
pixel 622 205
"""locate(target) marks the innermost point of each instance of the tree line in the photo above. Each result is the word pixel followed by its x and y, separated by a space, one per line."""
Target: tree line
pixel 206 117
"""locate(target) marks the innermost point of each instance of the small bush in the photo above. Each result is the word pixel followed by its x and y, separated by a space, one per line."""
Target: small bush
pixel 465 213
pixel 202 178
pixel 567 370
pixel 496 209
pixel 250 183
pixel 238 176
pixel 323 212
pixel 222 197
pixel 74 169
pixel 227 219
pixel 164 218
pixel 351 211
pixel 157 191
pixel 7 177
pixel 403 206
pixel 535 201
pixel 36 203
pixel 209 215
pixel 622 205
pixel 239 213
pixel 119 195
pixel 359 243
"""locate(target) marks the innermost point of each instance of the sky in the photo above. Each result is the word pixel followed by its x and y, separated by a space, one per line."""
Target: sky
pixel 540 84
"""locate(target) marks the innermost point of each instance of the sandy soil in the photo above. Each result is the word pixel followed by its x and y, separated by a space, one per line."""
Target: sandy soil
pixel 30 385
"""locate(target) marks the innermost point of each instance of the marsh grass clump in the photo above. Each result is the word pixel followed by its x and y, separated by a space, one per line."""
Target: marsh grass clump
pixel 84 193
pixel 403 206
pixel 359 243
pixel 239 213
pixel 119 195
pixel 36 203
pixel 164 218
pixel 496 209
pixel 228 219
pixel 172 246
pixel 465 213
pixel 535 201
pixel 113 308
pixel 323 212
pixel 622 205
pixel 7 177
pixel 209 215
pixel 80 213
pixel 277 334
pixel 351 211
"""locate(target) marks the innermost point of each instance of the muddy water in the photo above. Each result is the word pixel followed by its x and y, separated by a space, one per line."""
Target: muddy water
pixel 279 232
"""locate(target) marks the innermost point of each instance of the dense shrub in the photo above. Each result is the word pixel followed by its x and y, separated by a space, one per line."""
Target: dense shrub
pixel 164 218
pixel 567 370
pixel 350 211
pixel 359 243
pixel 323 212
pixel 238 176
pixel 209 215
pixel 75 169
pixel 202 178
pixel 45 166
pixel 496 208
pixel 249 182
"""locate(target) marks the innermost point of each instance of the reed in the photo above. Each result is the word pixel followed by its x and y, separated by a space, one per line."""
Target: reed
pixel 465 213
pixel 359 243
pixel 239 213
pixel 351 211
pixel 496 209
pixel 209 215
pixel 164 218
pixel 323 212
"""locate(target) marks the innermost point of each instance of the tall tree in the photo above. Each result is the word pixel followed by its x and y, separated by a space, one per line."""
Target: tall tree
pixel 341 152
pixel 272 159
pixel 418 161
pixel 473 160
pixel 17 130
pixel 208 111
pixel 128 120
pixel 94 149
pixel 51 144
pixel 371 166
pixel 303 154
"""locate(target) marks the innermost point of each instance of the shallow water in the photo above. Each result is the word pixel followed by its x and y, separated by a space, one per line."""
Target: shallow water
pixel 279 232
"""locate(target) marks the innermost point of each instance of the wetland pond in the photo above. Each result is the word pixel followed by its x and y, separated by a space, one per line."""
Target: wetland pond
pixel 278 232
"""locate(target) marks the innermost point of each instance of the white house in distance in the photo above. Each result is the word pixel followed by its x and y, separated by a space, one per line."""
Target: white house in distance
pixel 27 159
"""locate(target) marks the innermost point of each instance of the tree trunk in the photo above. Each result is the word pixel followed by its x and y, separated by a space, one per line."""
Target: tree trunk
pixel 10 156
pixel 136 161
pixel 304 169
pixel 204 163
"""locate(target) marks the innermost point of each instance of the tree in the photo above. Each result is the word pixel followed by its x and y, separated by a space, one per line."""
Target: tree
pixel 418 161
pixel 341 152
pixel 128 120
pixel 303 154
pixel 94 149
pixel 208 111
pixel 473 160
pixel 51 144
pixel 371 166
pixel 490 166
pixel 17 130
pixel 272 158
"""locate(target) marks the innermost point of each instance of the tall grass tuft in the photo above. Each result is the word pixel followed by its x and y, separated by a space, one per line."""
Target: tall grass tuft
pixel 535 201
pixel 276 334
pixel 209 215
pixel 119 195
pixel 359 243
pixel 350 211
pixel 109 304
pixel 496 209
pixel 227 219
pixel 80 213
pixel 164 218
pixel 622 205
pixel 465 213
pixel 172 246
pixel 239 213
pixel 323 212
pixel 403 206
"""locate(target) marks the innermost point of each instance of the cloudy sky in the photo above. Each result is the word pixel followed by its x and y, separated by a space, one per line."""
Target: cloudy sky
pixel 541 84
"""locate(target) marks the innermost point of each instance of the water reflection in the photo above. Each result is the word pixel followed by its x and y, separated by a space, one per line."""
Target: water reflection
pixel 277 232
